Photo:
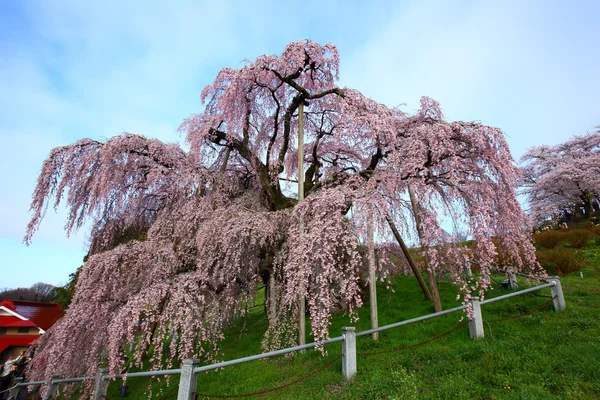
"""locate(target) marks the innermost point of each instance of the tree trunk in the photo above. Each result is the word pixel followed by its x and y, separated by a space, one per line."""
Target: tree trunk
pixel 161 308
pixel 409 258
pixel 589 207
pixel 437 303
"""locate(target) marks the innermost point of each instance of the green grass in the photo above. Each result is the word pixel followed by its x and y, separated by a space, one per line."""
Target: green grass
pixel 546 355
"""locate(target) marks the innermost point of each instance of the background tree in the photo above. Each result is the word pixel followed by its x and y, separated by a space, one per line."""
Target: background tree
pixel 215 218
pixel 40 291
pixel 563 179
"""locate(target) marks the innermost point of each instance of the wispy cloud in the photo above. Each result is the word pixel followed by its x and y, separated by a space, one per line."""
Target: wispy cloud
pixel 526 67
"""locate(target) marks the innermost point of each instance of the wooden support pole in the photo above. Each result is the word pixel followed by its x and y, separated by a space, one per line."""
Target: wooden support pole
pixel 302 318
pixel 372 277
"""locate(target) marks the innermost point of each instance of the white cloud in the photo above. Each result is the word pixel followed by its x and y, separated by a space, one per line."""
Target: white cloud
pixel 74 69
pixel 521 66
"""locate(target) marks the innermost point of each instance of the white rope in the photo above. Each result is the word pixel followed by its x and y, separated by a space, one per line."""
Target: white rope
pixel 9 389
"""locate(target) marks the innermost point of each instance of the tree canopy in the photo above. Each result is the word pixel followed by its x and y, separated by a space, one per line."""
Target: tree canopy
pixel 209 222
pixel 563 179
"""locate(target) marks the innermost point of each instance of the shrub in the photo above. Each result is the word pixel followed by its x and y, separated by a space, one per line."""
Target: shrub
pixel 596 233
pixel 577 238
pixel 548 239
pixel 561 261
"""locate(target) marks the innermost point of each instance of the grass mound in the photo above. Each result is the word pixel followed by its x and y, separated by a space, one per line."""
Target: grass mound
pixel 543 355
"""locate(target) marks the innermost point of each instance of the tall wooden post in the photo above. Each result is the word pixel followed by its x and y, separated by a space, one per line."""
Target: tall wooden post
pixel 302 320
pixel 372 278
pixel 272 297
pixel 437 303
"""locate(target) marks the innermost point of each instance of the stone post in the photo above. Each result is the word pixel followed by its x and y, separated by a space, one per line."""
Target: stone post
pixel 14 392
pixel 468 272
pixel 512 281
pixel 100 385
pixel 188 380
pixel 52 390
pixel 557 293
pixel 476 320
pixel 348 352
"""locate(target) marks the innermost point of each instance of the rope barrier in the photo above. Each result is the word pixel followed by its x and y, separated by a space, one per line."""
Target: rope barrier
pixel 533 277
pixel 537 278
pixel 284 386
pixel 541 295
pixel 493 279
pixel 170 395
pixel 524 314
pixel 9 389
pixel 372 353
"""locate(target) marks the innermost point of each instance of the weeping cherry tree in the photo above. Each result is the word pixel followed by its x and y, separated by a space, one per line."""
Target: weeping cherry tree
pixel 181 237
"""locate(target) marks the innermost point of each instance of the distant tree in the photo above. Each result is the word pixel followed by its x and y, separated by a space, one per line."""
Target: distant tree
pixel 563 179
pixel 40 291
pixel 18 294
pixel 217 217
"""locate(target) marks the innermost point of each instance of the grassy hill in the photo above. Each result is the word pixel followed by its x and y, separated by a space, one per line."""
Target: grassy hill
pixel 545 355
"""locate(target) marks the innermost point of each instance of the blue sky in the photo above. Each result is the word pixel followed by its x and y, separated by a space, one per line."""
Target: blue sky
pixel 72 69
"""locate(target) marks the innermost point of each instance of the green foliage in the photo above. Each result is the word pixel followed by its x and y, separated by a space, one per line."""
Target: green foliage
pixel 393 383
pixel 64 294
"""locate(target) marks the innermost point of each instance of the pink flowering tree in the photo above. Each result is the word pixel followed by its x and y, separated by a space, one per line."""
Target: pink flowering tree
pixel 563 179
pixel 209 222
